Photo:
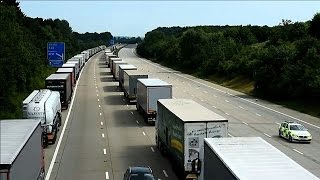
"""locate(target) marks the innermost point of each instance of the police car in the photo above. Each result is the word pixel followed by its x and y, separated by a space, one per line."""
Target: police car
pixel 294 131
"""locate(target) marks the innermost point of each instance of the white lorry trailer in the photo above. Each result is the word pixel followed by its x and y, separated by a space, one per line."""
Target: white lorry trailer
pixel 111 59
pixel 78 69
pixel 181 127
pixel 21 152
pixel 115 70
pixel 249 158
pixel 44 105
pixel 75 68
pixel 149 91
pixel 130 79
pixel 82 59
pixel 69 71
pixel 122 68
pixel 86 55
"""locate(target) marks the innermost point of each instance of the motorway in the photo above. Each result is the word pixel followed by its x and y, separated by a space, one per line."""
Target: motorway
pixel 103 134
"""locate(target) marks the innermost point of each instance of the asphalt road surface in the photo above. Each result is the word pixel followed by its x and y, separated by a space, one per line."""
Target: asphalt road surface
pixel 103 134
pixel 247 116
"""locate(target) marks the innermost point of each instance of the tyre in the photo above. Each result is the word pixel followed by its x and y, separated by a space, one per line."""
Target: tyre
pixel 55 136
pixel 279 133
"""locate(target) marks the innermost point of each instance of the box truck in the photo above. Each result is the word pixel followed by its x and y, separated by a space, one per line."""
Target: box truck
pixel 181 127
pixel 249 158
pixel 60 83
pixel 130 79
pixel 69 71
pixel 115 70
pixel 44 105
pixel 149 91
pixel 75 68
pixel 111 59
pixel 122 68
pixel 21 153
pixel 108 56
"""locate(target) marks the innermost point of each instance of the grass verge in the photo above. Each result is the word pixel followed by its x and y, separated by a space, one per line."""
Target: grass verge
pixel 244 85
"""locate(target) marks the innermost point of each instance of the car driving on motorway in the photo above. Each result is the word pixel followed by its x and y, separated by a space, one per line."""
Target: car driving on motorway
pixel 294 131
pixel 138 173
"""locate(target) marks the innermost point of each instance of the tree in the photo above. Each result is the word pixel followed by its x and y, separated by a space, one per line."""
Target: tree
pixel 314 28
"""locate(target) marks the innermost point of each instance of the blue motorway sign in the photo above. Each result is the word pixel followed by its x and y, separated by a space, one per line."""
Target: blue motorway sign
pixel 55 53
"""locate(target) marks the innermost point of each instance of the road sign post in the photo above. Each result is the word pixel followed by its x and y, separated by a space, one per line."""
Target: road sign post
pixel 55 53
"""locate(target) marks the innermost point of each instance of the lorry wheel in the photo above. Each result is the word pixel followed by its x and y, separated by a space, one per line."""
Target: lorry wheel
pixel 55 136
pixel 60 120
pixel 45 142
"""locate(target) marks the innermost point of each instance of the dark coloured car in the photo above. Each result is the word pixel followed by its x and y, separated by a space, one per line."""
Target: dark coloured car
pixel 138 173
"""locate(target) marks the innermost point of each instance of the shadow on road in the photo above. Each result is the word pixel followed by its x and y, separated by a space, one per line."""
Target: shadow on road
pixel 105 73
pixel 107 79
pixel 111 89
pixel 114 100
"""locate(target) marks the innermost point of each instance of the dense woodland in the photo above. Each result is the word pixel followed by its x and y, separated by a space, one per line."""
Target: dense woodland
pixel 23 47
pixel 283 61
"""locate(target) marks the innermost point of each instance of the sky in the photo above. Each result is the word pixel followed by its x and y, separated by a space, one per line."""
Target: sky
pixel 135 18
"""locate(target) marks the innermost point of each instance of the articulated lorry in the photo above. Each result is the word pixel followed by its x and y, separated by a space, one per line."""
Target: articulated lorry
pixel 21 152
pixel 115 67
pixel 181 127
pixel 86 55
pixel 44 105
pixel 77 64
pixel 249 158
pixel 122 68
pixel 68 71
pixel 111 59
pixel 149 91
pixel 75 68
pixel 130 79
pixel 108 56
pixel 62 84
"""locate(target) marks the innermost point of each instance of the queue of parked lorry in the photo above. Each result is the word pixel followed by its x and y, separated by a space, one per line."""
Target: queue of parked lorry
pixel 22 140
pixel 194 138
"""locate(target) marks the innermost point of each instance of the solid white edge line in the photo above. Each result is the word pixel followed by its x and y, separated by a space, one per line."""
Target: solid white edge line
pixel 234 96
pixel 152 149
pixel 62 132
pixel 165 173
pixel 298 151
pixel 107 175
pixel 267 135
pixel 104 151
